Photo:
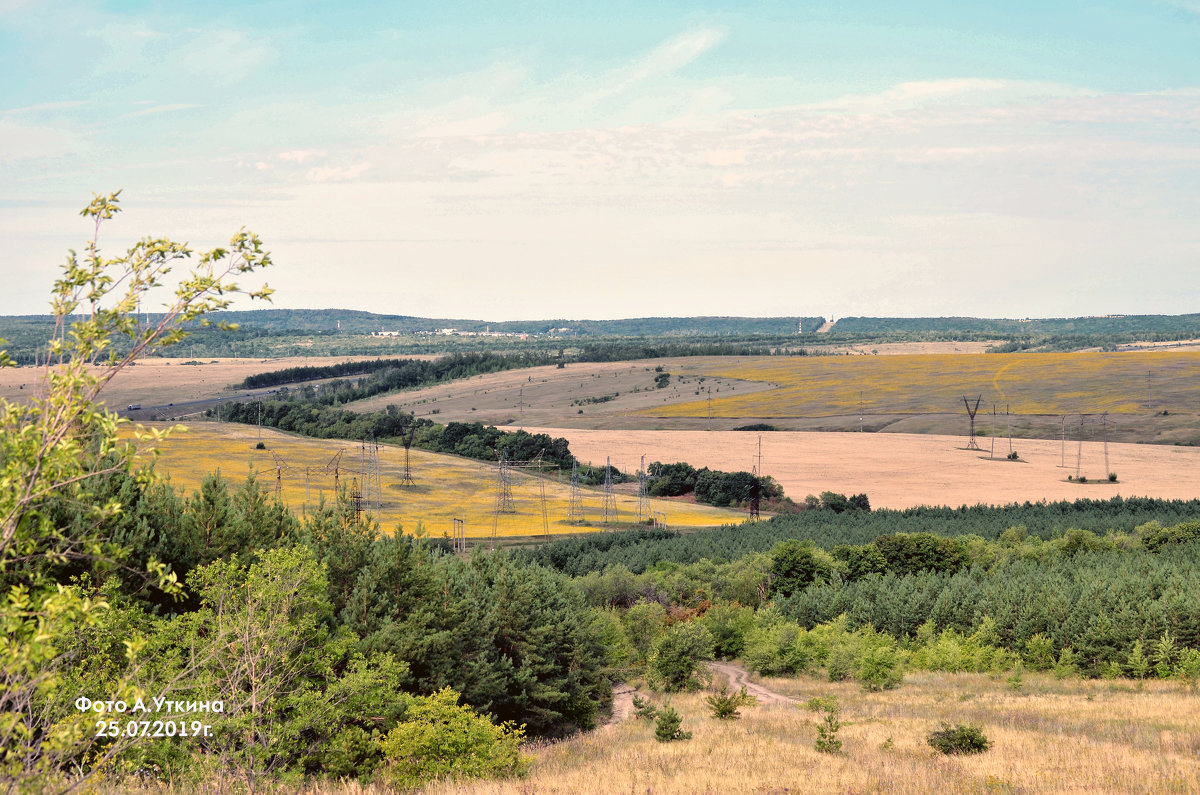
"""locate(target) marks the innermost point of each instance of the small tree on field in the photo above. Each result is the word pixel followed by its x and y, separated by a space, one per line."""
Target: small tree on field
pixel 670 726
pixel 725 705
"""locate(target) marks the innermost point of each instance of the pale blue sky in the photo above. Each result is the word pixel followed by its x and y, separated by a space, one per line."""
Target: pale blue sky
pixel 526 160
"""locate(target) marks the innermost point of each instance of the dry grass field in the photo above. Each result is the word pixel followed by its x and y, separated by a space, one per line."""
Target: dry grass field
pixel 446 487
pixel 905 470
pixel 1028 383
pixel 1050 737
pixel 911 393
pixel 161 381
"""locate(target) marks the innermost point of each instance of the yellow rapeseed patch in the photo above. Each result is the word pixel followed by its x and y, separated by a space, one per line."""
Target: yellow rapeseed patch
pixel 1025 383
pixel 445 487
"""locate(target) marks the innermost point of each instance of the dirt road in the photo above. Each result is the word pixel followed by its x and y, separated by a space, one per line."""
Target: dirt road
pixel 739 677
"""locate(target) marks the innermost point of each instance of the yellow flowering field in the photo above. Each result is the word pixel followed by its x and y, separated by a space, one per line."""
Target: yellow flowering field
pixel 446 487
pixel 1028 383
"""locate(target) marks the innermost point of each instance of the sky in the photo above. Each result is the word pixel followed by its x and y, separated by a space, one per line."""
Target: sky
pixel 526 160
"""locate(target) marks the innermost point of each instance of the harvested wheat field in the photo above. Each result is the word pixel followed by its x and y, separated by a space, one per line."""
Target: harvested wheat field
pixel 445 487
pixel 1049 737
pixel 906 470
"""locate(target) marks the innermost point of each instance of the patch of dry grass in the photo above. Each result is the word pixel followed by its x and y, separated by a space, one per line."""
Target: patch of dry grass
pixel 1053 737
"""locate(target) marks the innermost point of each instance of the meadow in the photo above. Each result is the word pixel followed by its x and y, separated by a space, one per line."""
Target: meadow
pixel 445 487
pixel 1048 736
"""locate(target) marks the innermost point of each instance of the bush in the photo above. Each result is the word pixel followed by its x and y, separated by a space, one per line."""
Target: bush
pixel 725 706
pixel 676 663
pixel 440 739
pixel 670 726
pixel 260 446
pixel 1112 477
pixel 880 668
pixel 958 739
pixel 827 741
pixel 644 709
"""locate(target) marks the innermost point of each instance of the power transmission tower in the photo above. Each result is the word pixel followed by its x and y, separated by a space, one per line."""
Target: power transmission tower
pixel 459 542
pixel 971 443
pixel 406 437
pixel 643 498
pixel 610 497
pixel 504 495
pixel 755 498
pixel 356 500
pixel 369 467
pixel 575 506
pixel 281 468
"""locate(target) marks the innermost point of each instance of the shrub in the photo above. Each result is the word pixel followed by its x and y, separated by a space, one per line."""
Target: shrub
pixel 1112 477
pixel 958 739
pixel 676 662
pixel 670 726
pixel 260 446
pixel 441 739
pixel 725 705
pixel 644 709
pixel 827 741
pixel 879 668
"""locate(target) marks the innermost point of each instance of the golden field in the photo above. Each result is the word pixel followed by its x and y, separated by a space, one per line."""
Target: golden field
pixel 446 487
pixel 1027 383
pixel 1050 737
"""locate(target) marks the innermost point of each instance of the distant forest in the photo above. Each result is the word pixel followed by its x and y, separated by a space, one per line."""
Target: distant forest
pixel 337 332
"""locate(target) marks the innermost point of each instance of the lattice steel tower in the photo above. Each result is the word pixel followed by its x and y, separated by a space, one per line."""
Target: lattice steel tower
pixel 610 497
pixel 575 506
pixel 643 500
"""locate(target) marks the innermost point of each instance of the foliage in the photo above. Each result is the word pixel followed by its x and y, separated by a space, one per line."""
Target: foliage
pixel 725 705
pixel 56 450
pixel 827 730
pixel 958 739
pixel 676 662
pixel 669 726
pixel 643 709
pixel 441 739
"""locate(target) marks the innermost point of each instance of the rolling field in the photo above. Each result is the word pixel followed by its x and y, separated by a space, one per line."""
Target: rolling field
pixel 898 470
pixel 446 487
pixel 910 393
pixel 1051 737
pixel 157 381
pixel 1029 383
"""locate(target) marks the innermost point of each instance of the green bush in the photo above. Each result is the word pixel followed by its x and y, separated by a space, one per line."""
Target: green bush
pixel 958 739
pixel 670 726
pixel 440 739
pixel 677 660
pixel 725 705
pixel 644 709
pixel 827 741
pixel 880 668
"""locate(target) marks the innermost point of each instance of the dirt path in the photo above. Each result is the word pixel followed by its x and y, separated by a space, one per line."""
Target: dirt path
pixel 739 677
pixel 622 706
